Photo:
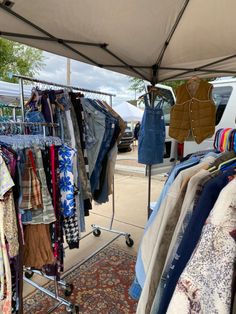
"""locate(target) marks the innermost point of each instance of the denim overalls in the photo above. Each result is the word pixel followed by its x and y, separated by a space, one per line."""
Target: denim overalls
pixel 152 135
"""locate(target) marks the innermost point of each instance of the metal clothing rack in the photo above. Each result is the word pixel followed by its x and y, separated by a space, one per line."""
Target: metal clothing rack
pixel 70 307
pixel 96 229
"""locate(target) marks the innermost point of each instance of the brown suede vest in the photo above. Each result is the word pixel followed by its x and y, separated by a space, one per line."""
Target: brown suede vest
pixel 193 116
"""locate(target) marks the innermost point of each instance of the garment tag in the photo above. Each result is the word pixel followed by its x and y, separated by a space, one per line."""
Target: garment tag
pixel 113 125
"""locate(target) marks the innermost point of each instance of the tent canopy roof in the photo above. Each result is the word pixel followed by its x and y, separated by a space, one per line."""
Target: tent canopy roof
pixel 129 112
pixel 151 39
pixel 10 93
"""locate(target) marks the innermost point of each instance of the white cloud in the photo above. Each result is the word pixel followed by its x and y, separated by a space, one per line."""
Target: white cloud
pixel 86 76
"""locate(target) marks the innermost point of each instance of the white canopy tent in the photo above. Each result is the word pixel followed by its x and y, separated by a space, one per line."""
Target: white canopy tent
pixel 152 39
pixel 10 93
pixel 129 112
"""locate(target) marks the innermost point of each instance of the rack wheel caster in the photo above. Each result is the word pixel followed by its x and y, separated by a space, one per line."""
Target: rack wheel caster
pixel 29 274
pixel 72 309
pixel 69 288
pixel 129 242
pixel 97 232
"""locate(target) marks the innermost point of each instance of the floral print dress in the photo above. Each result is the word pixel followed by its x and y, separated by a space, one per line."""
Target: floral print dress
pixel 68 192
pixel 205 285
pixel 6 183
pixel 66 159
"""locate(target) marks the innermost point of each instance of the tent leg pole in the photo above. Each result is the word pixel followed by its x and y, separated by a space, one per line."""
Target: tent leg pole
pixel 113 203
pixel 149 190
pixel 113 192
pixel 152 100
pixel 111 101
pixel 22 101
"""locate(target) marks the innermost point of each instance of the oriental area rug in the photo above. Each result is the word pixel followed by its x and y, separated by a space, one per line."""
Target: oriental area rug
pixel 101 286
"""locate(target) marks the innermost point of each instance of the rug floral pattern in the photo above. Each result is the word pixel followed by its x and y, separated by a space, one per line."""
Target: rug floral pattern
pixel 101 286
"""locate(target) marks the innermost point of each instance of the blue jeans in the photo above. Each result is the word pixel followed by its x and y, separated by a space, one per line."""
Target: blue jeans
pixel 95 129
pixel 58 120
pixel 35 116
pixel 94 179
pixel 64 100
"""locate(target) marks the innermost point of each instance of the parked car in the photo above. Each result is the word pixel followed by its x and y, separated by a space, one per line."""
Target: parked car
pixel 126 141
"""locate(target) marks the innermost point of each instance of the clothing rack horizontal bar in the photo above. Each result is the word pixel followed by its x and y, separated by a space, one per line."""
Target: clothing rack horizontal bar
pixel 31 123
pixel 49 293
pixel 31 79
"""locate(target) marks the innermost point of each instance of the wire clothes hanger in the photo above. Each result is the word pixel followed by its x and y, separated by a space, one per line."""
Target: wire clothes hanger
pixel 19 141
pixel 153 90
pixel 10 129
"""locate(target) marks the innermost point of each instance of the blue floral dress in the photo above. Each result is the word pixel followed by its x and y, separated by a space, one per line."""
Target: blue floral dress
pixel 66 155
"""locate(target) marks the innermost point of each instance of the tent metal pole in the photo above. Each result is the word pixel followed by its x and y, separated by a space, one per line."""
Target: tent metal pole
pixel 149 190
pixel 113 202
pixel 218 61
pixel 197 69
pixel 111 100
pixel 167 42
pixel 173 29
pixel 133 68
pixel 68 41
pixel 126 64
pixel 20 17
pixel 113 190
pixel 177 75
pixel 152 100
pixel 22 100
pixel 200 69
pixel 65 44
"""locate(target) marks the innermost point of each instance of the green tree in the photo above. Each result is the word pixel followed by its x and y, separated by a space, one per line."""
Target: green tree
pixel 18 59
pixel 174 84
pixel 138 85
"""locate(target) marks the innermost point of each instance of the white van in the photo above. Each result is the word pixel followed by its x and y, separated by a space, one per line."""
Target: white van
pixel 224 96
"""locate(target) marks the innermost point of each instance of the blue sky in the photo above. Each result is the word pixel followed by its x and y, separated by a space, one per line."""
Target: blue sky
pixel 86 76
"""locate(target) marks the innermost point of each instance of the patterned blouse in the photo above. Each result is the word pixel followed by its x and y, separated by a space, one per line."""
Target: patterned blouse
pixel 8 229
pixel 66 156
pixel 205 285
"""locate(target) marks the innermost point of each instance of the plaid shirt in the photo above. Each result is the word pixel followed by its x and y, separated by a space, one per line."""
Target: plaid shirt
pixel 31 189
